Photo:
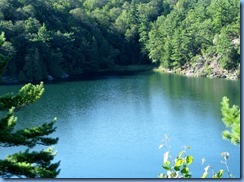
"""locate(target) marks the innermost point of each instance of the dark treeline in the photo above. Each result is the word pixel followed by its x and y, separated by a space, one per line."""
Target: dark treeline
pixel 67 37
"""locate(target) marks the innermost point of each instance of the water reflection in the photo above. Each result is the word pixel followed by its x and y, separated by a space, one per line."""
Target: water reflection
pixel 112 127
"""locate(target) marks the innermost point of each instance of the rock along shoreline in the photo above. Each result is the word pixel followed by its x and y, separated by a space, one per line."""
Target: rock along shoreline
pixel 212 70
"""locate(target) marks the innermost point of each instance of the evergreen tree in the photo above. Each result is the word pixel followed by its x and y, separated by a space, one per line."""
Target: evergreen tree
pixel 3 59
pixel 91 63
pixel 196 29
pixel 31 164
pixel 231 119
pixel 171 33
pixel 34 68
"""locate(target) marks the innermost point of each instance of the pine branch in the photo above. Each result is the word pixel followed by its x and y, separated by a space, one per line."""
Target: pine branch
pixel 26 95
pixel 30 164
pixel 28 137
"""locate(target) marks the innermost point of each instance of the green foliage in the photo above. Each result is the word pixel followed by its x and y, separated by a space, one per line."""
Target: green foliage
pixel 3 59
pixel 168 32
pixel 26 95
pixel 71 37
pixel 27 137
pixel 231 119
pixel 179 167
pixel 29 164
pixel 219 174
pixel 196 28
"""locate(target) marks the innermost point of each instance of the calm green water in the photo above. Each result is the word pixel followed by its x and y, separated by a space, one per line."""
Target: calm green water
pixel 112 127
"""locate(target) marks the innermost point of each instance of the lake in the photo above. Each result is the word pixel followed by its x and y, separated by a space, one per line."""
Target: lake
pixel 112 126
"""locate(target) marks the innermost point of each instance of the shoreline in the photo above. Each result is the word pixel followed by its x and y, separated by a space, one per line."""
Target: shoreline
pixel 127 69
pixel 207 72
pixel 117 70
pixel 212 71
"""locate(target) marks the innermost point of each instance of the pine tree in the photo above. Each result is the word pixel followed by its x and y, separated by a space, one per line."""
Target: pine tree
pixel 3 59
pixel 31 164
pixel 34 67
pixel 231 119
pixel 92 57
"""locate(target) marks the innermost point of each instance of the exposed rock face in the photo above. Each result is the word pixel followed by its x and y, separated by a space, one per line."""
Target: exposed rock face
pixel 203 68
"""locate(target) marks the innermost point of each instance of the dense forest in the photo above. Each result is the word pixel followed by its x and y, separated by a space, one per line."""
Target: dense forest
pixel 48 39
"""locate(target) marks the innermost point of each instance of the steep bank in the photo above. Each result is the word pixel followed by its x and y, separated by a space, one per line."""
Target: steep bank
pixel 210 69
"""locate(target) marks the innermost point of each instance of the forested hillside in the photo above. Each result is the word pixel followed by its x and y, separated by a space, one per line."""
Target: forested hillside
pixel 201 36
pixel 56 38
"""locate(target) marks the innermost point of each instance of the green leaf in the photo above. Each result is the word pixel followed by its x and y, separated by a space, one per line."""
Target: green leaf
pixel 204 175
pixel 189 160
pixel 185 170
pixel 179 162
pixel 219 174
pixel 173 175
pixel 177 168
pixel 187 176
pixel 167 162
pixel 166 167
